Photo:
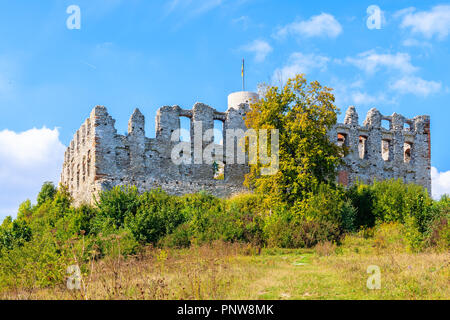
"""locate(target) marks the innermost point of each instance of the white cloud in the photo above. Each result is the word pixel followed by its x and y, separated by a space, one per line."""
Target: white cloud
pixel 411 42
pixel 370 62
pixel 363 98
pixel 260 48
pixel 399 65
pixel 27 159
pixel 354 94
pixel 300 63
pixel 193 7
pixel 428 23
pixel 321 25
pixel 244 21
pixel 440 183
pixel 416 86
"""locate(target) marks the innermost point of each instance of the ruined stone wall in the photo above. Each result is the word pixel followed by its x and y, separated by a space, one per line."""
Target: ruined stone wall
pixel 400 149
pixel 99 158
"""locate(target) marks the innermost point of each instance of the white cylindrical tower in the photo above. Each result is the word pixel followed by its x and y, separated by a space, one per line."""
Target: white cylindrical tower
pixel 236 98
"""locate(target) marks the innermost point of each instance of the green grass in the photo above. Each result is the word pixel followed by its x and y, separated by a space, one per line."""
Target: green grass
pixel 233 271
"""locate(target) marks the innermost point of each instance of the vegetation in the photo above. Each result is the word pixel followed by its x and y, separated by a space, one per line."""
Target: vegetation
pixel 302 113
pixel 154 245
pixel 38 246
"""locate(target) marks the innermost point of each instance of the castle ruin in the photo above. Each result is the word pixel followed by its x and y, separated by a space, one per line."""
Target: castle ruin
pixel 98 158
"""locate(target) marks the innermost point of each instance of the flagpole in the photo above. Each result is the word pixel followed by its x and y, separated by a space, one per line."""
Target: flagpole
pixel 243 75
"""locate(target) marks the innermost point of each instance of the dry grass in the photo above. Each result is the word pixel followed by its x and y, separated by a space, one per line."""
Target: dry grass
pixel 233 271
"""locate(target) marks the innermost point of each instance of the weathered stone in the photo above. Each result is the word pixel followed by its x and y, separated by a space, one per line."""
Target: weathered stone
pixel 98 158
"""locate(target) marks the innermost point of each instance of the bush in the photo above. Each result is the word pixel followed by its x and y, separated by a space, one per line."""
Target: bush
pixel 284 230
pixel 14 234
pixel 395 200
pixel 114 205
pixel 180 238
pixel 39 263
pixel 362 198
pixel 438 231
pixel 329 204
pixel 157 215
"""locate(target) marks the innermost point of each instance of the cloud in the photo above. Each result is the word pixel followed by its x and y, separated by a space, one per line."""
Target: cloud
pixel 260 48
pixel 193 7
pixel 403 80
pixel 27 159
pixel 435 22
pixel 371 61
pixel 300 63
pixel 323 25
pixel 410 42
pixel 363 98
pixel 244 21
pixel 416 86
pixel 440 183
pixel 100 8
pixel 354 94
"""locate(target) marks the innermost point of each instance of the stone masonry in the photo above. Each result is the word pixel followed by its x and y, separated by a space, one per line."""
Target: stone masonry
pixel 98 158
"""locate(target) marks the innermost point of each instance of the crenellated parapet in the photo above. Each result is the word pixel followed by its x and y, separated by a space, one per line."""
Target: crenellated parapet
pixel 398 149
pixel 99 158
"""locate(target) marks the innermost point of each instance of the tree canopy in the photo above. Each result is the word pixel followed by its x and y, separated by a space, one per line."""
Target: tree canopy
pixel 303 113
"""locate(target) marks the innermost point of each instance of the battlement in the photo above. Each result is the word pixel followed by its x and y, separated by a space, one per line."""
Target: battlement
pixel 99 158
pixel 401 149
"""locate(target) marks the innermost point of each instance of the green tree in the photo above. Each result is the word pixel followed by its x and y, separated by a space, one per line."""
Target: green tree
pixel 303 113
pixel 47 192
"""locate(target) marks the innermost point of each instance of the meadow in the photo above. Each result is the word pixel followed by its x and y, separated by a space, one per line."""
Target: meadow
pixel 152 245
pixel 240 271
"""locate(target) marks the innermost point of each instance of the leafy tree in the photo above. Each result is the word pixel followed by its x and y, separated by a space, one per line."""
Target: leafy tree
pixel 303 113
pixel 114 205
pixel 25 210
pixel 47 192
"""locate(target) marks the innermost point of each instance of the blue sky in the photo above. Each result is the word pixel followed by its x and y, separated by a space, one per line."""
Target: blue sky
pixel 146 54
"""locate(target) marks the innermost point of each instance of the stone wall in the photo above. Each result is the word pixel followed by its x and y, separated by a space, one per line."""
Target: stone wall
pixel 99 158
pixel 400 149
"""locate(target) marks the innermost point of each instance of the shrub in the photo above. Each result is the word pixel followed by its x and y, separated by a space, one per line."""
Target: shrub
pixel 248 212
pixel 157 215
pixel 413 236
pixel 362 198
pixel 41 262
pixel 285 231
pixel 438 231
pixel 389 235
pixel 179 238
pixel 395 200
pixel 14 233
pixel 306 234
pixel 328 204
pixel 114 205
